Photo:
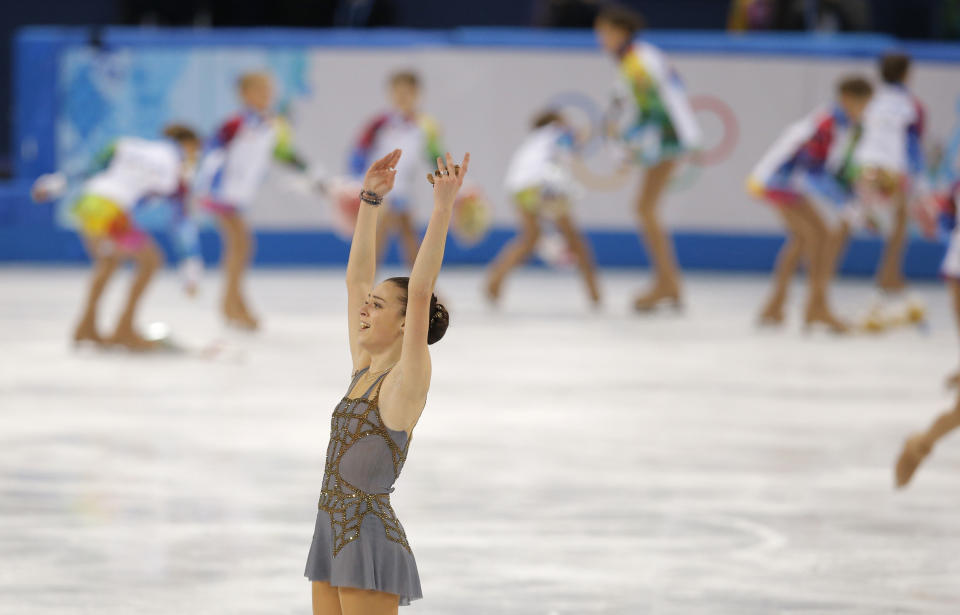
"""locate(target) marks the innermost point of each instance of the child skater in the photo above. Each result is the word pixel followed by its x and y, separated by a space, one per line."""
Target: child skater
pixel 540 181
pixel 811 161
pixel 130 170
pixel 404 127
pixel 660 129
pixel 890 159
pixel 360 560
pixel 230 173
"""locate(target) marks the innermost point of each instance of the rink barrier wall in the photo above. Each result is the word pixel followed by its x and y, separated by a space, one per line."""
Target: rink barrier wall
pixel 28 233
pixel 695 250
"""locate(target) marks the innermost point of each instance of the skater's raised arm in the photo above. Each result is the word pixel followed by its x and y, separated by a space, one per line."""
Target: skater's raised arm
pixel 362 265
pixel 425 319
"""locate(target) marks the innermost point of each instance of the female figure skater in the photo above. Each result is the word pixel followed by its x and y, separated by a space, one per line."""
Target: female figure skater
pixel 892 169
pixel 661 128
pixel 230 174
pixel 132 169
pixel 407 128
pixel 811 161
pixel 541 184
pixel 360 562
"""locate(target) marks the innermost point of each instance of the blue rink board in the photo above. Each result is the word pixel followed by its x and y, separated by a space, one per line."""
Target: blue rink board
pixel 698 251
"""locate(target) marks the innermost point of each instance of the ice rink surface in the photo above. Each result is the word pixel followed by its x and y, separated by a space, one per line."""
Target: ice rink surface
pixel 567 461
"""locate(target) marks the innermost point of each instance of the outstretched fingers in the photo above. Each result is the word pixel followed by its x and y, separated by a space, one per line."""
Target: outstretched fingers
pixel 446 167
pixel 389 161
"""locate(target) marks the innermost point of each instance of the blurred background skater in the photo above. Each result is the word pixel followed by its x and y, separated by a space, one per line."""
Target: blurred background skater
pixel 130 170
pixel 407 128
pixel 658 126
pixel 540 180
pixel 892 186
pixel 808 165
pixel 950 268
pixel 919 445
pixel 230 173
pixel 360 561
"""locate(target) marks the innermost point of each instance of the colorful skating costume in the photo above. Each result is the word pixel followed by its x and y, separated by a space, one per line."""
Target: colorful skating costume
pixel 659 123
pixel 132 169
pixel 417 135
pixel 891 146
pixel 236 159
pixel 538 173
pixel 813 157
pixel 358 540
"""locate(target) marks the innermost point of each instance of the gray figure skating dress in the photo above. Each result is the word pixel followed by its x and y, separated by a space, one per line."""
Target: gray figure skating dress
pixel 358 540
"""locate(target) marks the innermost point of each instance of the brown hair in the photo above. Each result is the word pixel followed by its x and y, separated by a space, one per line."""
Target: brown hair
pixel 439 317
pixel 855 86
pixel 622 17
pixel 894 67
pixel 247 79
pixel 547 117
pixel 181 133
pixel 405 76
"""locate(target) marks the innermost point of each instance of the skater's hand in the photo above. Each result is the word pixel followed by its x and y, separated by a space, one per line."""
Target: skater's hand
pixel 191 272
pixel 925 212
pixel 318 178
pixel 380 175
pixel 448 178
pixel 48 187
pixel 39 194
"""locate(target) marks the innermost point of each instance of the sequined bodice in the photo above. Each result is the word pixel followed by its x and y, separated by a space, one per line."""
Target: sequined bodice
pixel 364 459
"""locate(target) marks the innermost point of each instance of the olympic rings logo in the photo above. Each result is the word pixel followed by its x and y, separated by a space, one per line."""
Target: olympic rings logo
pixel 590 121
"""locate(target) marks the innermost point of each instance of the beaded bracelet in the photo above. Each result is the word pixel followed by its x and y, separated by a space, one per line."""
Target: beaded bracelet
pixel 371 198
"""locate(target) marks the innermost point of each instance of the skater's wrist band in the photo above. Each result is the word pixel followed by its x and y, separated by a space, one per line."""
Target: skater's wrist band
pixel 370 198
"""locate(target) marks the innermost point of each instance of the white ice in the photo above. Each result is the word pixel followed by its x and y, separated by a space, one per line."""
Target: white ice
pixel 567 461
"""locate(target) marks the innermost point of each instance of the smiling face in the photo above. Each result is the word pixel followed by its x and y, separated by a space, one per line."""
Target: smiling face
pixel 382 317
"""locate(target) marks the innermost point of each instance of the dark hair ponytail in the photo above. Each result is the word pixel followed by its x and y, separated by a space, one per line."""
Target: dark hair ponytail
pixel 439 317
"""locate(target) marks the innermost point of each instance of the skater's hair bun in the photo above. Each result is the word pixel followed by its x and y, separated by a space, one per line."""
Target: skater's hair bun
pixel 439 320
pixel 439 317
pixel 622 17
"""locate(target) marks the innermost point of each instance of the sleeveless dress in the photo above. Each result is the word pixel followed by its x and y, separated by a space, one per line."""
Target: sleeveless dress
pixel 358 540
